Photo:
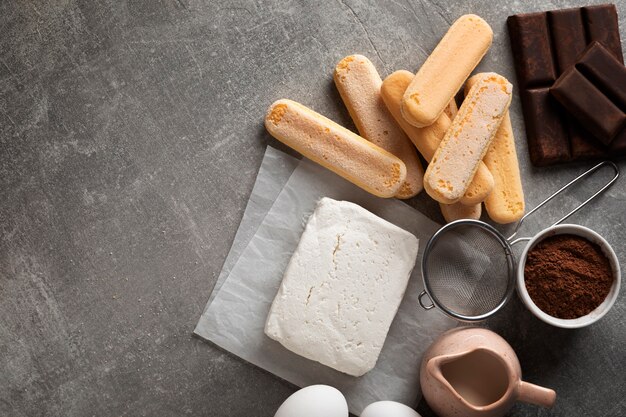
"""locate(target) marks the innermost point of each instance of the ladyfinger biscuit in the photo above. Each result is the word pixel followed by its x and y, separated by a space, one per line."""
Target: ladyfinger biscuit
pixel 505 204
pixel 446 69
pixel 336 148
pixel 427 139
pixel 456 161
pixel 458 211
pixel 359 84
pixel 451 109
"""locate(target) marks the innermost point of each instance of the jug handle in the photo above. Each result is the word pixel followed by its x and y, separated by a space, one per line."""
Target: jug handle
pixel 534 394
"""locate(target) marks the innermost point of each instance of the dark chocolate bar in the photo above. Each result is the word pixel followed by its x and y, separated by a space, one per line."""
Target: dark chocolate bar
pixel 592 104
pixel 545 45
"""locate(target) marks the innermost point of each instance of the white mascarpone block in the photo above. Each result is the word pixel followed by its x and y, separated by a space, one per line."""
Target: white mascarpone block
pixel 342 287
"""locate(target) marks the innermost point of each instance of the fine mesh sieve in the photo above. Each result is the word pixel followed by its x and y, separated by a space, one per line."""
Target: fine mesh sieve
pixel 468 266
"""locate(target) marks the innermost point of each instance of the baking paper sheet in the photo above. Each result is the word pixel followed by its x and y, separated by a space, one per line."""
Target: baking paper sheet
pixel 275 170
pixel 235 318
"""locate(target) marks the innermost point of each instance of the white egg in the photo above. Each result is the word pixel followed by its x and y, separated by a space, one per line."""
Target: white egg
pixel 314 401
pixel 388 409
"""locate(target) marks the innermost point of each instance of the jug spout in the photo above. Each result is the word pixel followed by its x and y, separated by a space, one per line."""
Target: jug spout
pixel 433 366
pixel 434 371
pixel 476 379
pixel 534 394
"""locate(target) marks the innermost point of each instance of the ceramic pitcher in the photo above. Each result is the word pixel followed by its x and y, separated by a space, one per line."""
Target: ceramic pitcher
pixel 473 372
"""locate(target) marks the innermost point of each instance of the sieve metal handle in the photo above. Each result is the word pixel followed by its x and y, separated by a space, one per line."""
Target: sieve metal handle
pixel 419 298
pixel 565 187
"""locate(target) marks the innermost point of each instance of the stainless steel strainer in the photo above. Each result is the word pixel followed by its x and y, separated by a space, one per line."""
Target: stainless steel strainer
pixel 468 266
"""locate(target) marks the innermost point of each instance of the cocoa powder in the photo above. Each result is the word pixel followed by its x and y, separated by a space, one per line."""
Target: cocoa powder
pixel 567 276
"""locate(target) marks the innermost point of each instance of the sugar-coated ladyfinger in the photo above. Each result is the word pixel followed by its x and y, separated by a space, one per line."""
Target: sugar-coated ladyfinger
pixel 505 204
pixel 359 84
pixel 427 139
pixel 446 69
pixel 336 148
pixel 458 211
pixel 454 165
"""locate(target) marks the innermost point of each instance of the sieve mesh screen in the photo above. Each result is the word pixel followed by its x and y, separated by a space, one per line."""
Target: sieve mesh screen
pixel 468 269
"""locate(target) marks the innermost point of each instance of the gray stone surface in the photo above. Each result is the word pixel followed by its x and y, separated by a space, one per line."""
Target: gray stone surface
pixel 130 135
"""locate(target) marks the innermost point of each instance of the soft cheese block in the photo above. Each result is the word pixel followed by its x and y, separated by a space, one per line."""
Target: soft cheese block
pixel 342 287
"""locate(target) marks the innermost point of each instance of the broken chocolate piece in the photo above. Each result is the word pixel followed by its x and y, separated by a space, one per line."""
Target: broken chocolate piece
pixel 589 105
pixel 594 92
pixel 605 71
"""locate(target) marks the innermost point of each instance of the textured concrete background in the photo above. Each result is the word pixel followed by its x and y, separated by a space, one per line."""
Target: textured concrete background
pixel 130 135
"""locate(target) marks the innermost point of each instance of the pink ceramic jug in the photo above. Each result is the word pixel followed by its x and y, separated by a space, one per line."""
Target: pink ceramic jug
pixel 473 372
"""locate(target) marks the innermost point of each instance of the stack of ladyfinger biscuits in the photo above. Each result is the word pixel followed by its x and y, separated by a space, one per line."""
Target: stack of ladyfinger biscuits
pixel 470 151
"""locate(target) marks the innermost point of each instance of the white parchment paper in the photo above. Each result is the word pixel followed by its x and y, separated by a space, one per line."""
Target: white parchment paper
pixel 235 318
pixel 275 170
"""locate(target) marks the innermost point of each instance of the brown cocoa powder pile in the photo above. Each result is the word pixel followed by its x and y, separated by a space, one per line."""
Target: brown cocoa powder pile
pixel 567 276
